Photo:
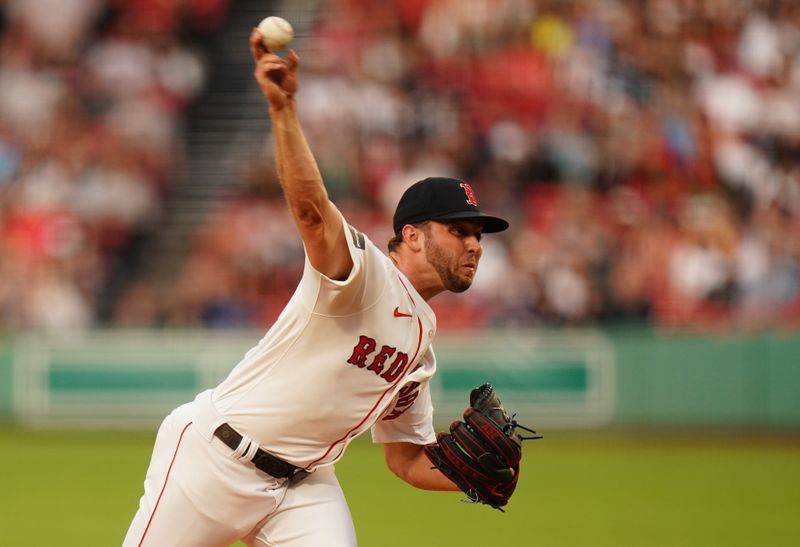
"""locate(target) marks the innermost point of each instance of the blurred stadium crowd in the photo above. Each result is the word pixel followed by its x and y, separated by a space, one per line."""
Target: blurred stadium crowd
pixel 93 98
pixel 647 151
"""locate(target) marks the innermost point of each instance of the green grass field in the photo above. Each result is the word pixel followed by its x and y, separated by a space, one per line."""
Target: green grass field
pixel 595 490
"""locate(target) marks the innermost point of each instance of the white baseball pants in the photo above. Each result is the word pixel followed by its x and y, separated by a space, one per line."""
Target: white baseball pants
pixel 198 493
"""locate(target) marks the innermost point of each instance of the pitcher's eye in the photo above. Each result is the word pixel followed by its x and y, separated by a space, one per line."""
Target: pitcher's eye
pixel 463 230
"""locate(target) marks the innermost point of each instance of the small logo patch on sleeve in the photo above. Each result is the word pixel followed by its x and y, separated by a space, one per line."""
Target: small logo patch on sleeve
pixel 358 238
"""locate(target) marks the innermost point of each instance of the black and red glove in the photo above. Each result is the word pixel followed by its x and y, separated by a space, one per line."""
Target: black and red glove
pixel 481 453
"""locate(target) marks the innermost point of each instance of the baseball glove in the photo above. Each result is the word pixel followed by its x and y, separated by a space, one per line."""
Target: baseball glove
pixel 481 453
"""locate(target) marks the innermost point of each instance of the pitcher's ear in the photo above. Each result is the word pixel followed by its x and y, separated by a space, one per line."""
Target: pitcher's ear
pixel 413 237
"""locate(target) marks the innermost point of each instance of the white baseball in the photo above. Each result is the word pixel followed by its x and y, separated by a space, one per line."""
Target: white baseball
pixel 277 32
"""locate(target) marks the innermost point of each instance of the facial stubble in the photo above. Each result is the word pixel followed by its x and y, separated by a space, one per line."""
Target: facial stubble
pixel 446 266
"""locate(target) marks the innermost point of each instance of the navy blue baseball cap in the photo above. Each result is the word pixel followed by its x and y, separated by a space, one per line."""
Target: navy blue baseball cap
pixel 442 198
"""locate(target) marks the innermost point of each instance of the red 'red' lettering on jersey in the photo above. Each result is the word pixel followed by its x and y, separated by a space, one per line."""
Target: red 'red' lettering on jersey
pixel 405 398
pixel 471 199
pixel 363 350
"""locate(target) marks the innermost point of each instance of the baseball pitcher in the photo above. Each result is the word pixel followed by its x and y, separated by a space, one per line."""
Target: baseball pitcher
pixel 252 459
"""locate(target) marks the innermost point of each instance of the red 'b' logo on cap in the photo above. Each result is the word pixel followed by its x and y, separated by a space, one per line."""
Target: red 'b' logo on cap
pixel 471 199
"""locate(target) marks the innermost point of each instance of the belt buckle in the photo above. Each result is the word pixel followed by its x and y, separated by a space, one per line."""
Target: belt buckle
pixel 299 476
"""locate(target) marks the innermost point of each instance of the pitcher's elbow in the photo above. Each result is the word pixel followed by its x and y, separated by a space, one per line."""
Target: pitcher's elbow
pixel 306 212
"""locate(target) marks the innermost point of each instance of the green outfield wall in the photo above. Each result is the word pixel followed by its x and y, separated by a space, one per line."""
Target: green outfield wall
pixel 5 377
pixel 581 378
pixel 744 380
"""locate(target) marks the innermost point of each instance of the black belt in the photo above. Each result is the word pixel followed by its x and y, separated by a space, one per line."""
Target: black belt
pixel 263 460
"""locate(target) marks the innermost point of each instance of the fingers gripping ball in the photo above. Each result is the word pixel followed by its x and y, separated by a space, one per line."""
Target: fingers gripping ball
pixel 277 32
pixel 482 452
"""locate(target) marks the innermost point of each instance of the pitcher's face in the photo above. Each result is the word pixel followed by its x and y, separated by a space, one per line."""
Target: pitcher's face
pixel 453 249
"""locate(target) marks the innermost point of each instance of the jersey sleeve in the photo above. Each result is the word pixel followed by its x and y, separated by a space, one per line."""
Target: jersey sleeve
pixel 413 425
pixel 363 285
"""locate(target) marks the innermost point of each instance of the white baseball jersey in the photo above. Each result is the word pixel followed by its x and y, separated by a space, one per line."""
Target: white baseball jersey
pixel 343 357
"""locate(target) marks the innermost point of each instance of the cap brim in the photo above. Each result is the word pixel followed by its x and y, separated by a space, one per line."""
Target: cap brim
pixel 491 224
